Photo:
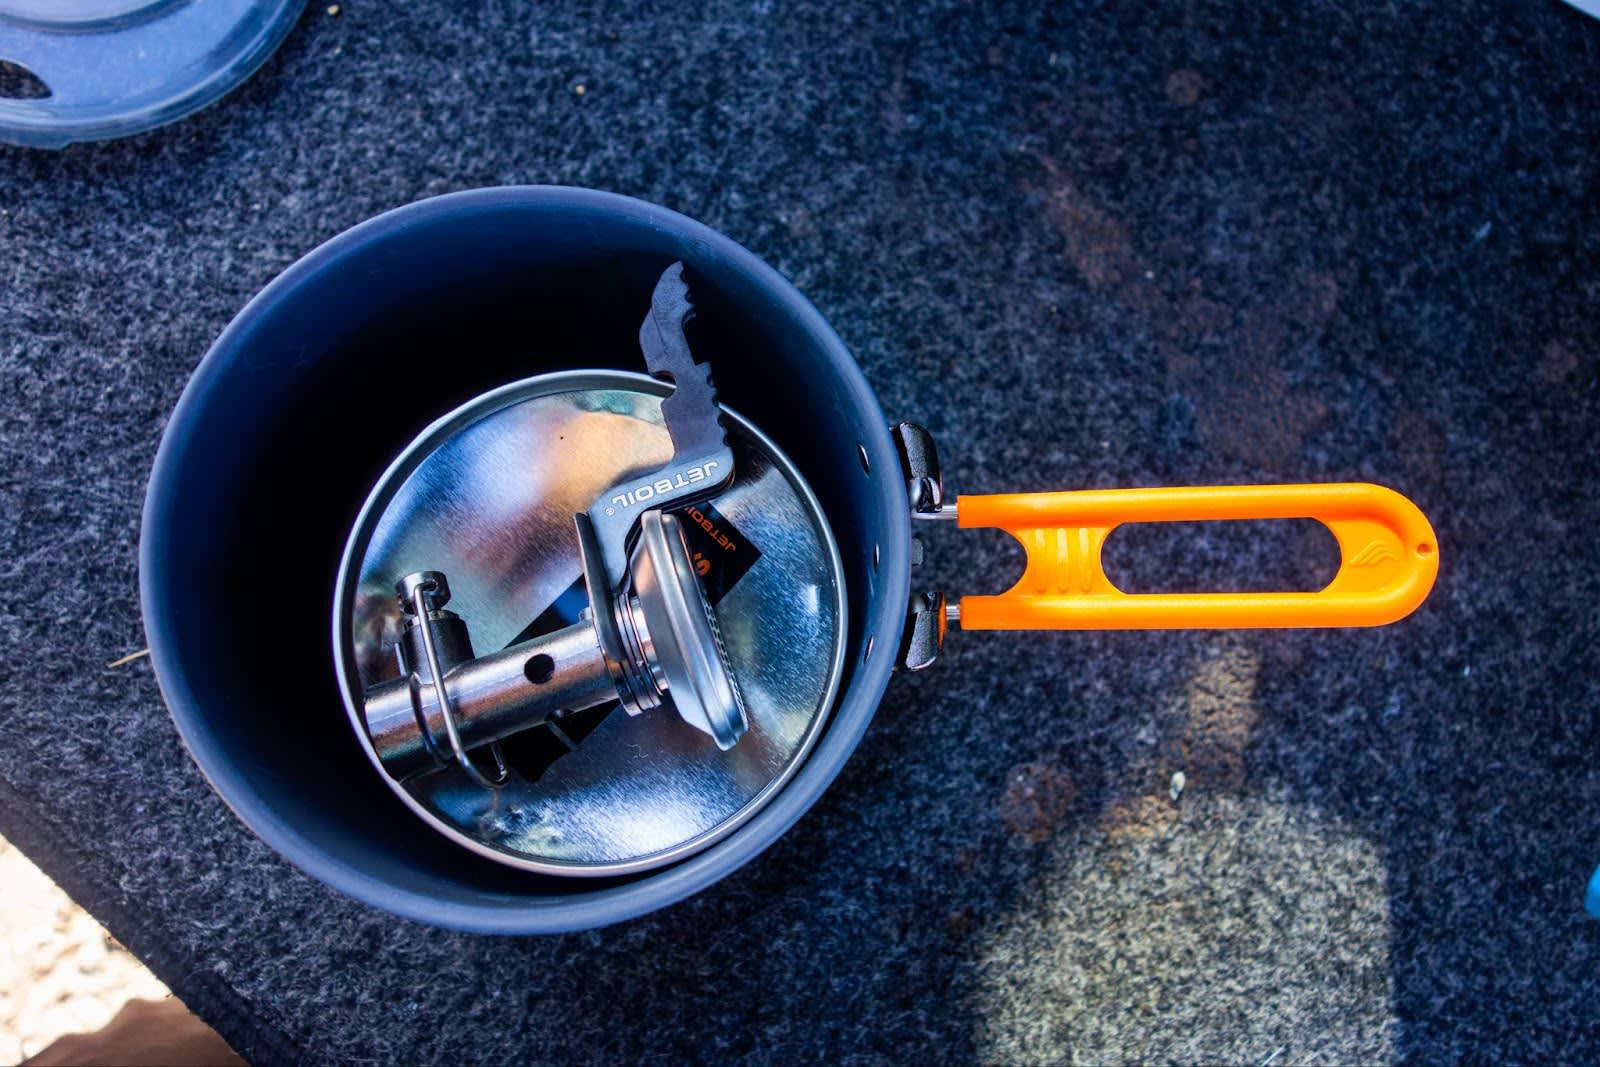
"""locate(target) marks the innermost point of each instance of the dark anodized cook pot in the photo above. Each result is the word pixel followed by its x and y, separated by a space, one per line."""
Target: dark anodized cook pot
pixel 327 375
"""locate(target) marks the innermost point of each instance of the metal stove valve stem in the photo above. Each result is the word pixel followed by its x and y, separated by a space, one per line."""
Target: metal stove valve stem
pixel 656 643
pixel 484 698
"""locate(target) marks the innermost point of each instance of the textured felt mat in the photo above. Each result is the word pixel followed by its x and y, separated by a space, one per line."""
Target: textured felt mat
pixel 1087 244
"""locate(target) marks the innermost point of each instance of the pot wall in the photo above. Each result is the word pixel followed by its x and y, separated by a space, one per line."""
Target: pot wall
pixel 318 384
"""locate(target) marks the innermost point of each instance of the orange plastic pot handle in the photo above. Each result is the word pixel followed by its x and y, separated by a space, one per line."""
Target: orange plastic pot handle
pixel 1390 558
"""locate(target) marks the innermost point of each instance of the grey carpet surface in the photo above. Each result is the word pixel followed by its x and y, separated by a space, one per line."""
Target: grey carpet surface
pixel 1087 244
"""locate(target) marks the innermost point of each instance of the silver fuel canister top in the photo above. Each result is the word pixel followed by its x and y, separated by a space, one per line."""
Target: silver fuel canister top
pixel 487 497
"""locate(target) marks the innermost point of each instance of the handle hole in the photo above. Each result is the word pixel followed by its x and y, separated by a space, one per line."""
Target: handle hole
pixel 1222 556
pixel 861 454
pixel 1425 549
pixel 19 83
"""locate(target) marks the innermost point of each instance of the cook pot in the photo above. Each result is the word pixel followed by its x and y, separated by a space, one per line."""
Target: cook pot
pixel 336 443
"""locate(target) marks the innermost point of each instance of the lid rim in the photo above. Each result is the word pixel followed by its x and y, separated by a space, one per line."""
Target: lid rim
pixel 475 412
pixel 39 123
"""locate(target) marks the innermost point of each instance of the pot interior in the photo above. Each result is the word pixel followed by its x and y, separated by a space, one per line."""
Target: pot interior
pixel 324 379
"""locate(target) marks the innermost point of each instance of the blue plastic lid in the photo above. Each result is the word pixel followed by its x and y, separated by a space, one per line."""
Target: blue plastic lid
pixel 91 70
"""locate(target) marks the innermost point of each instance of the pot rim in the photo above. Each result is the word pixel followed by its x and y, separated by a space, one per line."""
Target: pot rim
pixel 867 676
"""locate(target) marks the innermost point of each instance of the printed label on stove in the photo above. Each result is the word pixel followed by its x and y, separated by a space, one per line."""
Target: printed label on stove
pixel 721 554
